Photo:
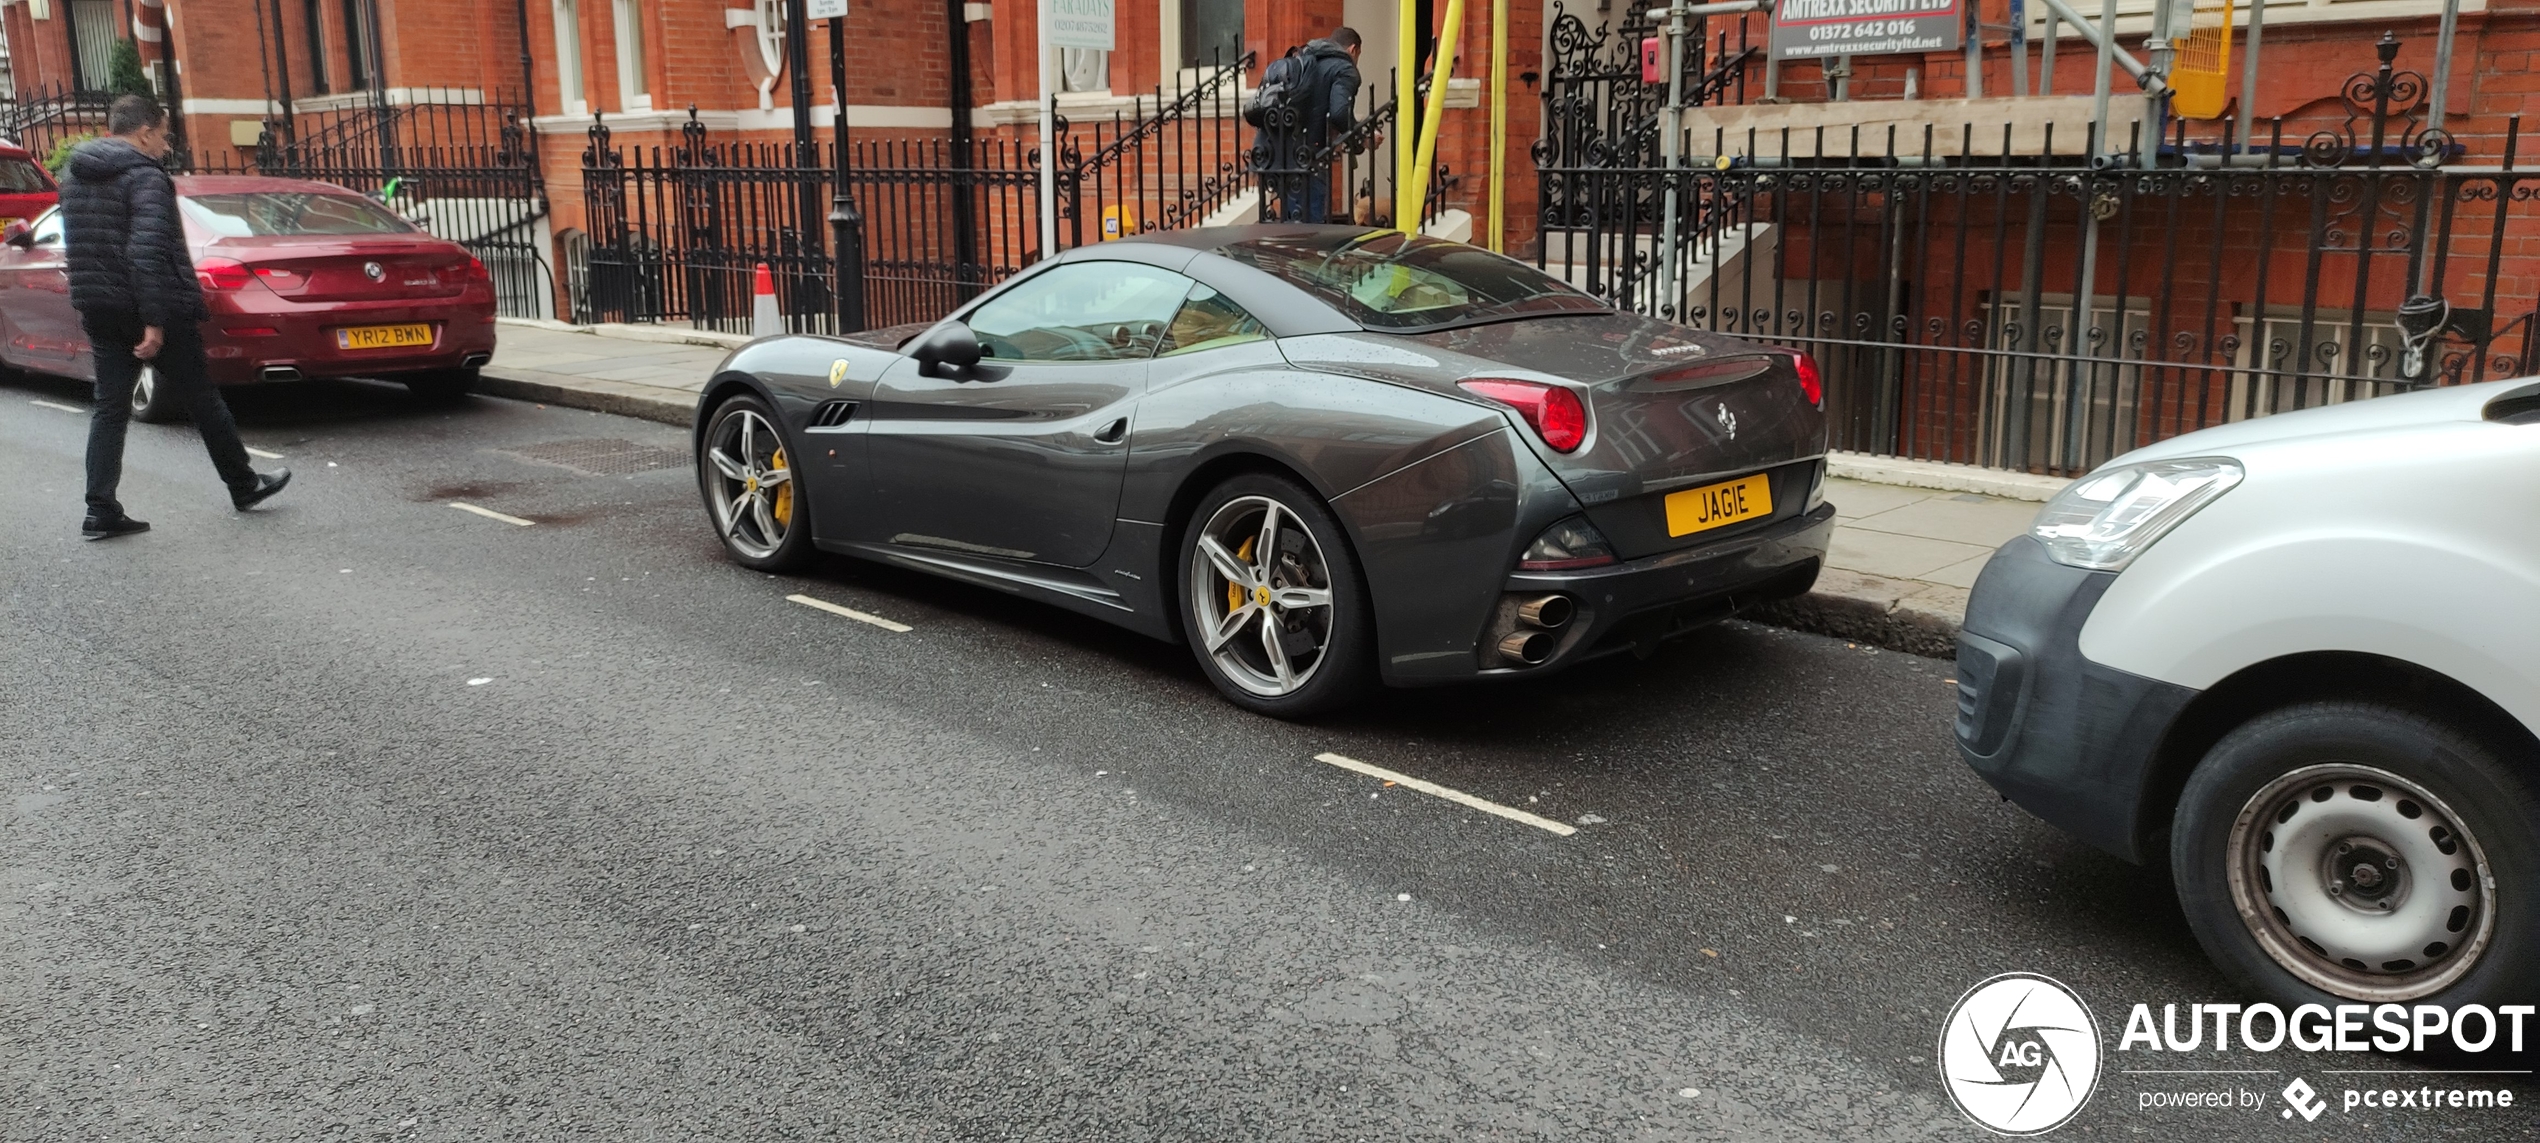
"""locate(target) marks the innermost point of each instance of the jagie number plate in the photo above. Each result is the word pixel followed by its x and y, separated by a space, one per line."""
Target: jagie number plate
pixel 1718 505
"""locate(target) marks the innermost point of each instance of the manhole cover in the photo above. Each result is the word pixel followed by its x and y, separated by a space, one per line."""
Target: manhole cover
pixel 603 457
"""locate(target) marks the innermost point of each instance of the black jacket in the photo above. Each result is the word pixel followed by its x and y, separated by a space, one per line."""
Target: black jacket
pixel 1331 88
pixel 127 254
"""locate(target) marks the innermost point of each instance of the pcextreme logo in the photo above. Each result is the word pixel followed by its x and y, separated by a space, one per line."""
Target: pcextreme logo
pixel 2020 1054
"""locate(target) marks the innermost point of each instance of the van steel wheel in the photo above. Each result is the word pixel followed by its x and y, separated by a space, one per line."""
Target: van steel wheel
pixel 2358 852
pixel 1273 600
pixel 2361 883
pixel 748 481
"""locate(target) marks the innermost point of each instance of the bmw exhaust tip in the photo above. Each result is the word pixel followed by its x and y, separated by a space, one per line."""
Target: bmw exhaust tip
pixel 1551 612
pixel 1528 647
pixel 475 360
pixel 278 373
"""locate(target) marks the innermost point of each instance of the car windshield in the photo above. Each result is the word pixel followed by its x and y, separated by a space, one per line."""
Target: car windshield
pixel 1386 281
pixel 256 214
pixel 20 176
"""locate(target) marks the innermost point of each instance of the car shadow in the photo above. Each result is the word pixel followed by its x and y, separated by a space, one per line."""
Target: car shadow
pixel 278 406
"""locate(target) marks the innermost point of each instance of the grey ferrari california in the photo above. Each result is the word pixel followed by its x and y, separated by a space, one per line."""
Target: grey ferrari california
pixel 1324 456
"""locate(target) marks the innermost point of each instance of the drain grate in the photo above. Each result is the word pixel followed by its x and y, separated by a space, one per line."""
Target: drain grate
pixel 603 457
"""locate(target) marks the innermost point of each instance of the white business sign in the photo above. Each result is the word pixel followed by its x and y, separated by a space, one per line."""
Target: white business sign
pixel 1085 24
pixel 824 9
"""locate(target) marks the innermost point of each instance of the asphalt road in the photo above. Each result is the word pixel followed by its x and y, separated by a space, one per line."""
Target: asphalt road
pixel 361 816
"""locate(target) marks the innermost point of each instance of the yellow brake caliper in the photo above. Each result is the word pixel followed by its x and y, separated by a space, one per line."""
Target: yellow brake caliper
pixel 783 509
pixel 1235 591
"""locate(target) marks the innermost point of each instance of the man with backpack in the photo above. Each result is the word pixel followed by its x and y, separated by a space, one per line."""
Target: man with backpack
pixel 1302 105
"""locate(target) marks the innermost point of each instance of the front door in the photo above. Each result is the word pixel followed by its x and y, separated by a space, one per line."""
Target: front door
pixel 1021 457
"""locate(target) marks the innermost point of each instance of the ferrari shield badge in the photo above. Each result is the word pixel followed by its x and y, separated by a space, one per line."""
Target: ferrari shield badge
pixel 837 372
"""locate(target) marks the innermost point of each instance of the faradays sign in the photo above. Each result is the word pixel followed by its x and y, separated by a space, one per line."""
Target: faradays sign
pixel 1086 24
pixel 1821 29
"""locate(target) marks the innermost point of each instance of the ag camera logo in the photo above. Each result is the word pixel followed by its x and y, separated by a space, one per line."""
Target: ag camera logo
pixel 2020 1054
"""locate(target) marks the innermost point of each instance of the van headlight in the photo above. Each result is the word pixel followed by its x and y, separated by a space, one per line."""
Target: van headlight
pixel 2104 520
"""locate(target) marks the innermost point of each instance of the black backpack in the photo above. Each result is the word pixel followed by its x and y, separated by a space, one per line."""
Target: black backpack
pixel 1282 86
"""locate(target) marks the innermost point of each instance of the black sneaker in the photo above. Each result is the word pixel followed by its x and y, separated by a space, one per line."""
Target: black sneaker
pixel 267 484
pixel 106 529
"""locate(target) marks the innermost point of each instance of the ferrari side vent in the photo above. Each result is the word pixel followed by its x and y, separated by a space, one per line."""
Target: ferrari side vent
pixel 832 414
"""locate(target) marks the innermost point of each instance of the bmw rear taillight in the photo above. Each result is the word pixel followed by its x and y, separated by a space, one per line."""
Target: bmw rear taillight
pixel 1568 544
pixel 1553 412
pixel 472 270
pixel 1812 385
pixel 223 274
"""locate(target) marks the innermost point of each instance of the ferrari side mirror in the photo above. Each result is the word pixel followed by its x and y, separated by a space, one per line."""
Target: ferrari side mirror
pixel 950 344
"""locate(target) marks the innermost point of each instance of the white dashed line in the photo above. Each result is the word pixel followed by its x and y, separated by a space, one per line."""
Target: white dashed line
pixel 254 451
pixel 1458 797
pixel 490 514
pixel 44 404
pixel 850 613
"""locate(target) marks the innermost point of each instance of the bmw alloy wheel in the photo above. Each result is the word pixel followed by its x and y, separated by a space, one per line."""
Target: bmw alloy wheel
pixel 2360 883
pixel 145 390
pixel 1261 595
pixel 751 485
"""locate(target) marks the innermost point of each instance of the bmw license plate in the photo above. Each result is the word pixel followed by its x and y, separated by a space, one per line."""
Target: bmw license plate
pixel 383 336
pixel 1718 505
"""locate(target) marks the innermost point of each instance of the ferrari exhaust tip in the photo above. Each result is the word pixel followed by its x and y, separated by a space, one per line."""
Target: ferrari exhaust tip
pixel 1551 612
pixel 278 373
pixel 1528 647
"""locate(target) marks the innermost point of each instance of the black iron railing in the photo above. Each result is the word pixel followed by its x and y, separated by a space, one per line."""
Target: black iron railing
pixel 2049 307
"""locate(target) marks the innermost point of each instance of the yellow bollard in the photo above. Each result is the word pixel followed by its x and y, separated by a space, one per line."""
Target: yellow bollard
pixel 1432 117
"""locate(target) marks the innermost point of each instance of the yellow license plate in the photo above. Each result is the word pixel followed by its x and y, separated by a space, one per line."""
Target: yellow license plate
pixel 1718 505
pixel 382 336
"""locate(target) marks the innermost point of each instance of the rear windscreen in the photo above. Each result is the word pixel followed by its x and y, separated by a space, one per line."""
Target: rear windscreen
pixel 20 176
pixel 260 213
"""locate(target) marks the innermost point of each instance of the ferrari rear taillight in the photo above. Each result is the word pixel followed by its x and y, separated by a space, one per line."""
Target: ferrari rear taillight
pixel 1811 384
pixel 223 274
pixel 1553 412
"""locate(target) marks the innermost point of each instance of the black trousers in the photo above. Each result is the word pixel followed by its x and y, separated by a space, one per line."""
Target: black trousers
pixel 182 373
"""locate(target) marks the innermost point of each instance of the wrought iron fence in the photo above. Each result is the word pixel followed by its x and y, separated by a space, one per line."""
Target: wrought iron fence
pixel 676 233
pixel 42 120
pixel 2040 308
pixel 456 164
pixel 1296 178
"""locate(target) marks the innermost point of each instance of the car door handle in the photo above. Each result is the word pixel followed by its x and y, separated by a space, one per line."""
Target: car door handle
pixel 1111 433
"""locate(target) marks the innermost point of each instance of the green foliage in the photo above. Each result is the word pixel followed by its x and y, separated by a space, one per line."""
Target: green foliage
pixel 124 74
pixel 61 156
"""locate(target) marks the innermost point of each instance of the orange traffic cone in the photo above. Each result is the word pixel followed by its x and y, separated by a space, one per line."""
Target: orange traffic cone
pixel 766 320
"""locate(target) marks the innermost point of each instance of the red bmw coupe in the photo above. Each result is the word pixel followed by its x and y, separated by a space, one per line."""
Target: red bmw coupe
pixel 304 280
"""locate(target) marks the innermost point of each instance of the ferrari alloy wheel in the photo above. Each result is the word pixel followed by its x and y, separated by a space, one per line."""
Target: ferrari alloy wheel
pixel 1275 613
pixel 151 401
pixel 2358 852
pixel 748 480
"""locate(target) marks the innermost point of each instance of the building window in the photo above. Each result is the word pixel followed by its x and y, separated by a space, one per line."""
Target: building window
pixel 1212 32
pixel 634 91
pixel 569 95
pixel 93 36
pixel 361 45
pixel 1082 69
pixel 316 29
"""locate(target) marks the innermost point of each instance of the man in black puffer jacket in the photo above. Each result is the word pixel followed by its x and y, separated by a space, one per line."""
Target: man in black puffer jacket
pixel 132 281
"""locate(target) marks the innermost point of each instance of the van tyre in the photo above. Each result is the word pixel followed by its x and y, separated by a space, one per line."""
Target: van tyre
pixel 1273 602
pixel 2354 852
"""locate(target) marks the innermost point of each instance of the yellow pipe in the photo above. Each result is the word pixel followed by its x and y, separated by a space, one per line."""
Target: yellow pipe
pixel 1498 124
pixel 1405 102
pixel 1432 117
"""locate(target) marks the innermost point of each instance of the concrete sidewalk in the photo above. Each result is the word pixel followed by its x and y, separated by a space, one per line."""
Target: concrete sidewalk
pixel 1910 536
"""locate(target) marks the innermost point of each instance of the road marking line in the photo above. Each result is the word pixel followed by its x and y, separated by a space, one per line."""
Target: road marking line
pixel 1458 797
pixel 40 402
pixel 490 514
pixel 850 613
pixel 254 451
